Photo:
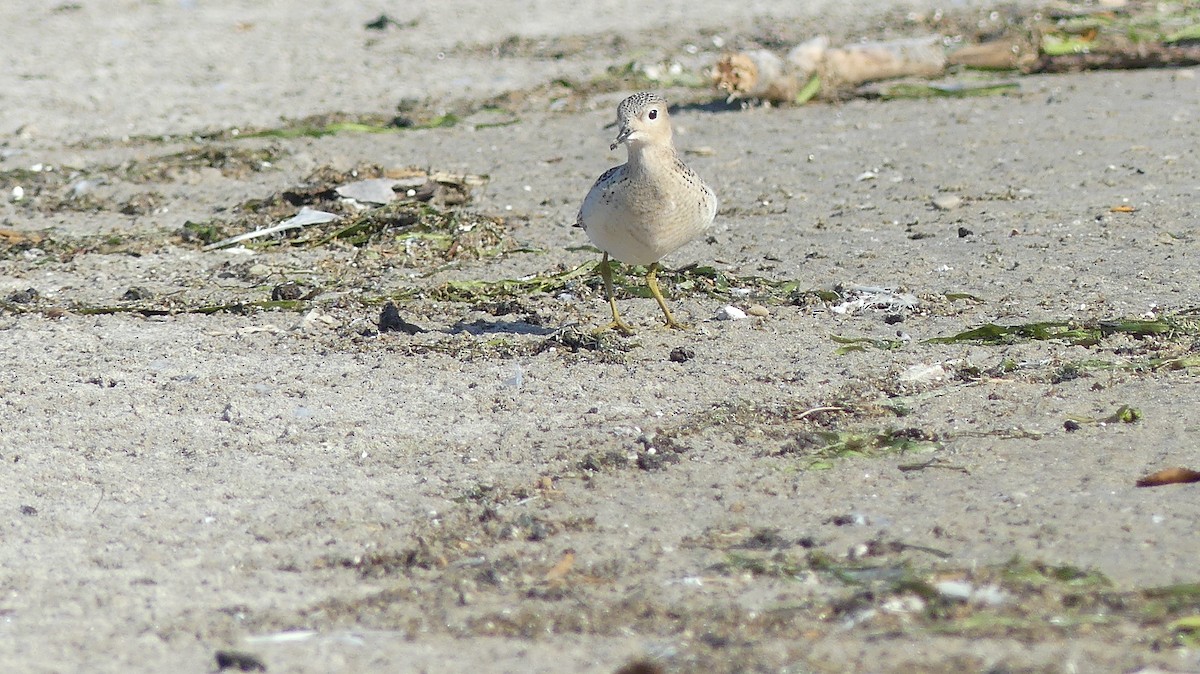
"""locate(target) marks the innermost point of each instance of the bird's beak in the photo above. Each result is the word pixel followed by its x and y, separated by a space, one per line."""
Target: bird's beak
pixel 621 137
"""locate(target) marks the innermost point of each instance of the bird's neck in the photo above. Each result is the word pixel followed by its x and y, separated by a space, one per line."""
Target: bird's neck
pixel 643 156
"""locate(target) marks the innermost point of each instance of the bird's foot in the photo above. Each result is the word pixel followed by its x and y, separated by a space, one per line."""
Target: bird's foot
pixel 617 325
pixel 672 324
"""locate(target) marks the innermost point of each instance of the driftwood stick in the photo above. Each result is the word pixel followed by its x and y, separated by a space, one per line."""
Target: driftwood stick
pixel 1134 56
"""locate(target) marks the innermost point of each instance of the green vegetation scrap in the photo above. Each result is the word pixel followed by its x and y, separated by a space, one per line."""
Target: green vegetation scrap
pixel 232 162
pixel 1076 333
pixel 1138 34
pixel 819 449
pixel 1030 599
pixel 908 90
pixel 1173 340
pixel 628 281
pixel 318 126
pixel 420 232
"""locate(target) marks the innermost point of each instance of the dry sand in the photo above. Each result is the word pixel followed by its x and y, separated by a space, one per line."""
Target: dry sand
pixel 328 498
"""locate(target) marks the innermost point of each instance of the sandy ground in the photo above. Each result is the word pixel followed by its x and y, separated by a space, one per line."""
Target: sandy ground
pixel 480 497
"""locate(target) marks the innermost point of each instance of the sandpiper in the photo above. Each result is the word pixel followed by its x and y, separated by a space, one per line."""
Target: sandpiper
pixel 645 209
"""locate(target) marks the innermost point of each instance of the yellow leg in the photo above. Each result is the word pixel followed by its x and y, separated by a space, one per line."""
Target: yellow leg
pixel 652 282
pixel 617 324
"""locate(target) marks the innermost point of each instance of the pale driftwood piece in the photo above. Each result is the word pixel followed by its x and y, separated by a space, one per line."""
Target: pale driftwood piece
pixel 871 61
pixel 1002 54
pixel 806 57
pixel 761 75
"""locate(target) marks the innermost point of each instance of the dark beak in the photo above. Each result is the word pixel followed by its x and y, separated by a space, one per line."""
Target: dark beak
pixel 624 134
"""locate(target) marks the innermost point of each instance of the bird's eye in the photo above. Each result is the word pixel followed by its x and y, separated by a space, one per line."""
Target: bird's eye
pixel 653 114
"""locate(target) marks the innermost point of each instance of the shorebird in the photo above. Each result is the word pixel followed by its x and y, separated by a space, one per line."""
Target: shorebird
pixel 645 209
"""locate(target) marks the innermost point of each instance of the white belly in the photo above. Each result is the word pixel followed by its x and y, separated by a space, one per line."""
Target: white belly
pixel 643 223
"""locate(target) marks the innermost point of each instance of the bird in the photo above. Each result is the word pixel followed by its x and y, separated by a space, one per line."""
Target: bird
pixel 648 207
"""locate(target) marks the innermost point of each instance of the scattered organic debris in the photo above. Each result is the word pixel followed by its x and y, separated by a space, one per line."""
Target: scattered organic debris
pixel 423 233
pixel 851 344
pixel 317 126
pixel 493 551
pixel 1169 476
pixel 627 281
pixel 822 447
pixel 383 22
pixel 1002 600
pixel 576 340
pixel 1075 333
pixel 12 237
pixel 559 571
pixel 412 226
pixel 899 90
pixel 1124 415
pixel 1131 35
pixel 232 162
pixel 51 188
pixel 233 308
pixel 859 298
pixel 932 463
pixel 480 291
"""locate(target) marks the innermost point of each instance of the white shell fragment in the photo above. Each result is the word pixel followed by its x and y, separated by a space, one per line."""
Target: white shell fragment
pixel 947 202
pixel 870 297
pixel 730 313
pixel 373 191
pixel 923 372
pixel 959 590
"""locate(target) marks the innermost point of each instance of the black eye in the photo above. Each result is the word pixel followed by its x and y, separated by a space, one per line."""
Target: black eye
pixel 653 114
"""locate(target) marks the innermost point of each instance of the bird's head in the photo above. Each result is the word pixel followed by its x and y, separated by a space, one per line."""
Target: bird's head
pixel 642 118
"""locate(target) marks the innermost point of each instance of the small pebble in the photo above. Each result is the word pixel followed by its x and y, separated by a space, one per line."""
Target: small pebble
pixel 24 296
pixel 242 662
pixel 390 321
pixel 287 291
pixel 135 293
pixel 730 313
pixel 82 187
pixel 682 354
pixel 947 202
pixel 758 310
